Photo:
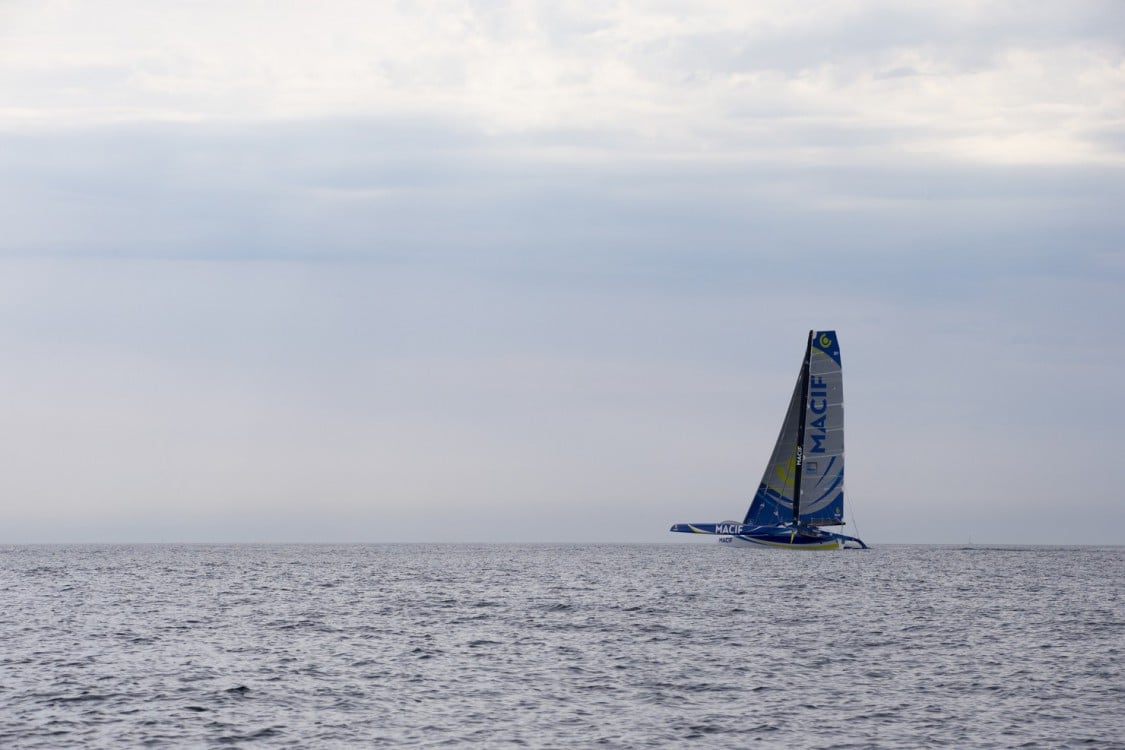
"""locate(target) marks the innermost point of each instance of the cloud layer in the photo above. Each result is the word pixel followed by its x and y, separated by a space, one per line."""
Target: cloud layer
pixel 973 81
pixel 459 271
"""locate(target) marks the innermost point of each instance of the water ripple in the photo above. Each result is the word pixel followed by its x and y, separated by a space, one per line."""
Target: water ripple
pixel 559 645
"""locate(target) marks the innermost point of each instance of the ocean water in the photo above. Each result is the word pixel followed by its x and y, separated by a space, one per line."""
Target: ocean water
pixel 560 646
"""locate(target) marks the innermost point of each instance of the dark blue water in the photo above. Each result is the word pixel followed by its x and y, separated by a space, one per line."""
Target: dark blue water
pixel 560 646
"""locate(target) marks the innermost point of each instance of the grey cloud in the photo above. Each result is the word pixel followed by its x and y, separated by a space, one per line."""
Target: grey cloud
pixel 856 40
pixel 378 190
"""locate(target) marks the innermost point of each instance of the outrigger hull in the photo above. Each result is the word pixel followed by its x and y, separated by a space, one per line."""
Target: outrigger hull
pixel 776 537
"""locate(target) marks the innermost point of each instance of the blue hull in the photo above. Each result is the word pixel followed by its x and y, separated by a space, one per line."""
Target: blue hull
pixel 781 537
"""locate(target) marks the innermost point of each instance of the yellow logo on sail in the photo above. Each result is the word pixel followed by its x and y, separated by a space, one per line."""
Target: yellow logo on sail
pixel 786 473
pixel 825 340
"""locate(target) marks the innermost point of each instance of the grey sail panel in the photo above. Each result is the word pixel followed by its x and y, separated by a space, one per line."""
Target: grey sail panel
pixel 822 475
pixel 773 502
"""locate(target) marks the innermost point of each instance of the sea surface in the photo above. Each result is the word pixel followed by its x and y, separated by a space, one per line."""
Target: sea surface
pixel 560 646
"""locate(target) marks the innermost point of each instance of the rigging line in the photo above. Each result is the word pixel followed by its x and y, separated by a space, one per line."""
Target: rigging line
pixel 855 526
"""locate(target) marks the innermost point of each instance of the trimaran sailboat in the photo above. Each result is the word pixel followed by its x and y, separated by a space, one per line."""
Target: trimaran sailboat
pixel 802 490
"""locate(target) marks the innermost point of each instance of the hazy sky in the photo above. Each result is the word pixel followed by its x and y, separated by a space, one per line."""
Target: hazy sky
pixel 462 271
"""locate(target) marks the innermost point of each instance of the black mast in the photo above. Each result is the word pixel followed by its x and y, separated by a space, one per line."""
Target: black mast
pixel 801 432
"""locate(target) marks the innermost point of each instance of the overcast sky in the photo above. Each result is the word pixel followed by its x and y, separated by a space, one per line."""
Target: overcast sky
pixel 460 271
